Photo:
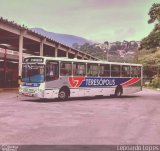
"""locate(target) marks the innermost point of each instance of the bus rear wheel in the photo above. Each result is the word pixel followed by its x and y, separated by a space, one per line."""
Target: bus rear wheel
pixel 118 91
pixel 63 95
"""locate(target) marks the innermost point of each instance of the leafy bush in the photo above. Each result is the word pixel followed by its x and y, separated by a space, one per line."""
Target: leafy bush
pixel 155 82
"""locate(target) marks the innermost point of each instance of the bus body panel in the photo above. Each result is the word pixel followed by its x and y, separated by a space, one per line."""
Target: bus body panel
pixel 52 91
pixel 79 88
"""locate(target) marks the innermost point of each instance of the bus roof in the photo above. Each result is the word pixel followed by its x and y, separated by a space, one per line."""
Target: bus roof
pixel 83 61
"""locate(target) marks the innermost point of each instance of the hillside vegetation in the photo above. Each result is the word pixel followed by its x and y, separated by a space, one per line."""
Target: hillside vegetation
pixel 117 51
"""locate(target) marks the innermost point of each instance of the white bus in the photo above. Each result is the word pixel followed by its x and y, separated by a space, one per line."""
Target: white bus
pixel 46 77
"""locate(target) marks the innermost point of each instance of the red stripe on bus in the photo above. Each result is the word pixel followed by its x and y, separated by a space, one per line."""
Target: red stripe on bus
pixel 130 82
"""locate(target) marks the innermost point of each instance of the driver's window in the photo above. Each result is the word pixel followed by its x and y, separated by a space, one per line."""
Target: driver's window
pixel 52 71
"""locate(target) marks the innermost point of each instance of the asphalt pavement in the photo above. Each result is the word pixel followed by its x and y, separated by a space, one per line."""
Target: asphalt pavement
pixel 132 119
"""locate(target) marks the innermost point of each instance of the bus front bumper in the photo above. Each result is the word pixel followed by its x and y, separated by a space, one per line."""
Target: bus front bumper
pixel 29 92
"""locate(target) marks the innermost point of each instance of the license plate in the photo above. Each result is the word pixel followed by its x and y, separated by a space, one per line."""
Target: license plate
pixel 27 94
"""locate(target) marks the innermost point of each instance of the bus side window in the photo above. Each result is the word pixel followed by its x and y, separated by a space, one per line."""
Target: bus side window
pixel 139 71
pixel 66 69
pixel 92 69
pixel 79 69
pixel 135 71
pixel 88 70
pixel 101 71
pixel 52 71
pixel 104 70
pixel 115 70
pixel 125 71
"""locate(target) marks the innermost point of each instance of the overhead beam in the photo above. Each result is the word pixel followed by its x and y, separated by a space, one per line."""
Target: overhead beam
pixel 31 37
pixel 49 44
pixel 9 28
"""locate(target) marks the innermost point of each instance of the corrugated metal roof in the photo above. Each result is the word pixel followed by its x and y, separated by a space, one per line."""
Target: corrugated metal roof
pixel 23 27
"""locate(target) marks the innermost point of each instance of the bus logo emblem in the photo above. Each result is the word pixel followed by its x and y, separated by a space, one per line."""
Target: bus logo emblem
pixel 76 81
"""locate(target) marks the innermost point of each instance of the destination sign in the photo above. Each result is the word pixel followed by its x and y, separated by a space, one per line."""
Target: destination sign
pixel 38 60
pixel 99 82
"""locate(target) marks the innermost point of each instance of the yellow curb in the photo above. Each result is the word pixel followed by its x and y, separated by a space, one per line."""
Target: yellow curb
pixel 3 89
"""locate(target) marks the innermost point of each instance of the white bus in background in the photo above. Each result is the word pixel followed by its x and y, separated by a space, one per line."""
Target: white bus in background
pixel 46 77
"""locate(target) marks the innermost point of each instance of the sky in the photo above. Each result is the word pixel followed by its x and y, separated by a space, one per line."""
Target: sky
pixel 97 20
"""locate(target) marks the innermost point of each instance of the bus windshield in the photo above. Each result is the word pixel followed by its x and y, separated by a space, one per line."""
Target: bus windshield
pixel 33 73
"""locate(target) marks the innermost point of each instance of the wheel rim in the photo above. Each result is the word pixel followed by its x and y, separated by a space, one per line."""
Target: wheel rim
pixel 118 93
pixel 62 95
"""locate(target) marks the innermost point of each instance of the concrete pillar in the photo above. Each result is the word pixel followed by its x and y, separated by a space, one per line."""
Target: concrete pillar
pixel 67 52
pixel 83 57
pixel 42 47
pixel 56 50
pixel 20 54
pixel 76 55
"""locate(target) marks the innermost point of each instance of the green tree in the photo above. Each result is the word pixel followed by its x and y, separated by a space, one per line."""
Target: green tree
pixel 154 13
pixel 153 39
pixel 149 54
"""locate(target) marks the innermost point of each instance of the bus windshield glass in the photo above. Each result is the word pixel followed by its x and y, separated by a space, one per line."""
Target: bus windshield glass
pixel 33 73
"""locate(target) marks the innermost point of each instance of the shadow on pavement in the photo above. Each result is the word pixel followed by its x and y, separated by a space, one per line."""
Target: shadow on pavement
pixel 79 99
